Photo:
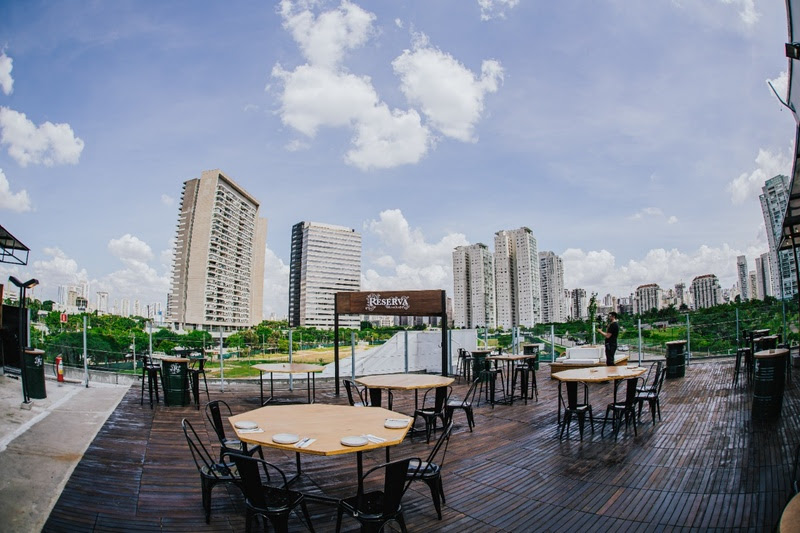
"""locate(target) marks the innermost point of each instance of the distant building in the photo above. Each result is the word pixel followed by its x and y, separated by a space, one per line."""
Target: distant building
pixel 473 287
pixel 742 278
pixel 763 277
pixel 325 259
pixel 774 199
pixel 706 291
pixel 218 269
pixel 516 277
pixel 579 304
pixel 751 285
pixel 551 280
pixel 647 298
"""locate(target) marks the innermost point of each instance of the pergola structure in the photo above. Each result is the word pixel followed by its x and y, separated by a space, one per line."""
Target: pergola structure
pixel 790 229
pixel 11 249
pixel 393 303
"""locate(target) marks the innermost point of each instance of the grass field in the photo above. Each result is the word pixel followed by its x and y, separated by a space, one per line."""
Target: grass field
pixel 241 367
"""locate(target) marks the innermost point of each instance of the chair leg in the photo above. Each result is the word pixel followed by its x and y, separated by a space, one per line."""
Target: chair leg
pixel 205 488
pixel 339 513
pixel 307 516
pixel 402 522
pixel 433 484
pixel 470 418
pixel 279 522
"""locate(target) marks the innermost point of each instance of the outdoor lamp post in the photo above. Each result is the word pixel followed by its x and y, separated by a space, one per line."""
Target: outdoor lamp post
pixel 23 287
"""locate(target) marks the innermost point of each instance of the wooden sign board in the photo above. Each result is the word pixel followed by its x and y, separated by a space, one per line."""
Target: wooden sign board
pixel 395 303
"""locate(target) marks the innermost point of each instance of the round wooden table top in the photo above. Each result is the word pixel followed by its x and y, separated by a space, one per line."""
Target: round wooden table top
pixel 289 368
pixel 511 357
pixel 404 381
pixel 596 374
pixel 326 423
pixel 790 519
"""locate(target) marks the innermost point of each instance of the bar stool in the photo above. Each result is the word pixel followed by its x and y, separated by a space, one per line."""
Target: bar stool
pixel 527 374
pixel 488 379
pixel 198 366
pixel 151 371
pixel 738 368
pixel 464 369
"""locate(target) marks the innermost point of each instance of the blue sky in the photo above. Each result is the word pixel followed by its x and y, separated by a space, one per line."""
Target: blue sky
pixel 631 137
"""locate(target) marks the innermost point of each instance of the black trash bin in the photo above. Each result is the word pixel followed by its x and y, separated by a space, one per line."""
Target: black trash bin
pixel 767 342
pixel 768 383
pixel 176 380
pixel 532 349
pixel 480 363
pixel 34 373
pixel 676 359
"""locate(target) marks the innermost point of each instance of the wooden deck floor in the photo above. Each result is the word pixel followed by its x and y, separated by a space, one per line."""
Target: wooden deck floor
pixel 705 466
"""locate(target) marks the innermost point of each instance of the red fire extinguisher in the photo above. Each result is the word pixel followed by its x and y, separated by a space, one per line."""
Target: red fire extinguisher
pixel 59 369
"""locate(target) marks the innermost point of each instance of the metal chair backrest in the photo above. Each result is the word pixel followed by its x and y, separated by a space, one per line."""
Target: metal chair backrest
pixel 572 396
pixel 443 442
pixel 205 463
pixel 249 469
pixel 349 385
pixel 441 394
pixel 661 373
pixel 630 392
pixel 395 483
pixel 214 415
pixel 470 396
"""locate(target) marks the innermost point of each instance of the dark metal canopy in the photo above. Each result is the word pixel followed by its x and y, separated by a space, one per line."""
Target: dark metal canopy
pixel 11 249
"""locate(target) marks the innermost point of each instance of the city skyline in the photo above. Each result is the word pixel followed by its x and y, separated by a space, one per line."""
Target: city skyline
pixel 424 127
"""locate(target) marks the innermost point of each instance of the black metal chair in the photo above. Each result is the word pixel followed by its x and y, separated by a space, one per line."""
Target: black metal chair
pixel 211 472
pixel 431 472
pixel 430 413
pixel 354 391
pixel 214 416
pixel 574 408
pixel 527 376
pixel 465 404
pixel 196 368
pixel 375 508
pixel 651 394
pixel 151 372
pixel 464 366
pixel 625 409
pixel 264 499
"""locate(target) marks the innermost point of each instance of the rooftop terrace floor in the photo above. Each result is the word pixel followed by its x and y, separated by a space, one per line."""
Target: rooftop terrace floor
pixel 705 466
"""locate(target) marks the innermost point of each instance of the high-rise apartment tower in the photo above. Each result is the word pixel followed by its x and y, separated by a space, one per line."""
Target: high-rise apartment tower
pixel 551 276
pixel 218 269
pixel 706 291
pixel 742 278
pixel 325 259
pixel 473 287
pixel 516 276
pixel 774 198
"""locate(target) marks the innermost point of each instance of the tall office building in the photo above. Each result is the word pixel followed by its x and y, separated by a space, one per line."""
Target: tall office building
pixel 751 285
pixel 742 278
pixel 325 259
pixel 648 297
pixel 218 269
pixel 706 291
pixel 681 296
pixel 551 276
pixel 516 277
pixel 473 287
pixel 763 277
pixel 774 199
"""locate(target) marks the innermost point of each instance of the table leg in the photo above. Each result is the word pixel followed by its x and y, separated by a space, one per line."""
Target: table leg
pixel 360 470
pixel 375 397
pixel 308 385
pixel 261 385
pixel 313 387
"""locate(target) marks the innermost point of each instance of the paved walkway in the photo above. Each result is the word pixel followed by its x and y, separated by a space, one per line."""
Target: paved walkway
pixel 42 442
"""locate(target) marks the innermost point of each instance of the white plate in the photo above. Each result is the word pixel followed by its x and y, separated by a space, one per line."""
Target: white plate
pixel 395 423
pixel 285 438
pixel 245 424
pixel 354 441
pixel 633 367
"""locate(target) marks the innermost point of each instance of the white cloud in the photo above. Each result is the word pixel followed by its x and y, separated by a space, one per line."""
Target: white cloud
pixel 167 200
pixel 324 93
pixel 49 144
pixel 449 94
pixel 672 220
pixel 747 10
pixel 58 269
pixel 18 201
pixel 647 212
pixel 769 164
pixel 276 286
pixel 296 145
pixel 597 270
pixel 6 81
pixel 405 259
pixel 130 250
pixel 325 39
pixel 495 8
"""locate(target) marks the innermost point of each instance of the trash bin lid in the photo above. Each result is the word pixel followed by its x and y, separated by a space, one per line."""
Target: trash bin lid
pixel 766 354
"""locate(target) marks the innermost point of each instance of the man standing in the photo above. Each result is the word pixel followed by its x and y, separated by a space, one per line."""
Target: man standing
pixel 611 337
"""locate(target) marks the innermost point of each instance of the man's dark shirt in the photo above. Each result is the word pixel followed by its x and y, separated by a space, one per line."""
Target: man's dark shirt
pixel 613 329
